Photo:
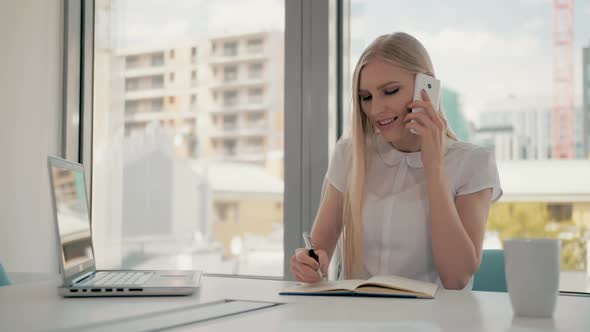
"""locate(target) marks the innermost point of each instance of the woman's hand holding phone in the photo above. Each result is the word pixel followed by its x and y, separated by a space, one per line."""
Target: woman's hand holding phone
pixel 431 127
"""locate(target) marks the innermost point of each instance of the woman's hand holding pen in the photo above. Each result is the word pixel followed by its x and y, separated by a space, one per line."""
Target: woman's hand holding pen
pixel 431 127
pixel 307 269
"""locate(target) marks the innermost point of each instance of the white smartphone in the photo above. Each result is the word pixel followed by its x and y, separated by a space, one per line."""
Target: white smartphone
pixel 432 86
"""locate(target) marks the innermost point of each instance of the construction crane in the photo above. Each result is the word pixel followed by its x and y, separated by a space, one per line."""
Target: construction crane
pixel 563 113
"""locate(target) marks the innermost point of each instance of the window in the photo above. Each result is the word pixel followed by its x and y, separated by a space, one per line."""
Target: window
pixel 157 104
pixel 254 46
pixel 131 106
pixel 255 95
pixel 194 82
pixel 230 122
pixel 131 84
pixel 131 61
pixel 508 45
pixel 255 117
pixel 560 212
pixel 144 106
pixel 230 73
pixel 255 71
pixel 227 212
pixel 230 49
pixel 157 59
pixel 193 55
pixel 156 82
pixel 230 98
pixel 255 142
pixel 229 147
pixel 144 83
pixel 254 145
pixel 173 183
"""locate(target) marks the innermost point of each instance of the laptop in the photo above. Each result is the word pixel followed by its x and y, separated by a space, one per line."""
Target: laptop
pixel 80 277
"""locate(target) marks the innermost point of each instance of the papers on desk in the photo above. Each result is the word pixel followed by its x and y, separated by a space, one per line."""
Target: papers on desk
pixel 381 286
pixel 167 319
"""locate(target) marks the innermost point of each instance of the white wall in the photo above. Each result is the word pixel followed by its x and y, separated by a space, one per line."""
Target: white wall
pixel 30 112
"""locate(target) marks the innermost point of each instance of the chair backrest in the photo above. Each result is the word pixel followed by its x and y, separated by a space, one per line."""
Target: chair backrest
pixel 4 281
pixel 491 276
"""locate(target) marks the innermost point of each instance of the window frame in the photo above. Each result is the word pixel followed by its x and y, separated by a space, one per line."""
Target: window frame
pixel 307 104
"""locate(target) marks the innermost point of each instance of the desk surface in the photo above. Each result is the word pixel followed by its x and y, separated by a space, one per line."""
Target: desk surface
pixel 36 307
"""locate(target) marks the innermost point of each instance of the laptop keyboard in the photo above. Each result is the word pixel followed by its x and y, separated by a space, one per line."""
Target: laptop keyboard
pixel 117 279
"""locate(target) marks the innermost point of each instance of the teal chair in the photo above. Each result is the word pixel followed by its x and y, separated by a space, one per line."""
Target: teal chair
pixel 491 276
pixel 4 281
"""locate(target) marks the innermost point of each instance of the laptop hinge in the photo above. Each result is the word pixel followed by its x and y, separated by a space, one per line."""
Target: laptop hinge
pixel 82 277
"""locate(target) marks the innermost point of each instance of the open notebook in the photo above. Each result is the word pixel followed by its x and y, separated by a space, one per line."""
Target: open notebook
pixel 382 286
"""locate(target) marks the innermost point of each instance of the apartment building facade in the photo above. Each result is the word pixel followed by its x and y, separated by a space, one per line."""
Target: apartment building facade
pixel 221 98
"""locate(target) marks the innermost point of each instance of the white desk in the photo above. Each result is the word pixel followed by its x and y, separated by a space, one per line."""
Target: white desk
pixel 36 306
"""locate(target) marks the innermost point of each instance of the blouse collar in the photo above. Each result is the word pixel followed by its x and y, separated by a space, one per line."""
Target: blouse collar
pixel 392 156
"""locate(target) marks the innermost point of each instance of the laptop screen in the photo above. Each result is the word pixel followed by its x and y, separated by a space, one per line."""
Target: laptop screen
pixel 73 220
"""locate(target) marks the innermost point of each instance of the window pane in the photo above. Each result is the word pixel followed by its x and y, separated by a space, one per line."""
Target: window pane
pixel 255 45
pixel 255 71
pixel 187 156
pixel 496 68
pixel 230 73
pixel 230 98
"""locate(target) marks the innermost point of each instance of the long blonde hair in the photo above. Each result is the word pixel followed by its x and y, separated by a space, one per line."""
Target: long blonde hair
pixel 402 50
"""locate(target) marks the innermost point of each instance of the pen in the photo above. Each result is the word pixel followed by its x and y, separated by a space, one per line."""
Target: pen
pixel 311 251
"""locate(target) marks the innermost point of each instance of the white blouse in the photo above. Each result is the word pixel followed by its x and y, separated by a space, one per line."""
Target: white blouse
pixel 396 227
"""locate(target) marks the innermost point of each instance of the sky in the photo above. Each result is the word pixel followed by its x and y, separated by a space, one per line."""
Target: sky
pixel 153 23
pixel 484 50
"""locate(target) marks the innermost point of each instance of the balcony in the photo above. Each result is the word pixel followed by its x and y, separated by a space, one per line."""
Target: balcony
pixel 221 59
pixel 145 71
pixel 143 94
pixel 155 116
pixel 240 154
pixel 231 131
pixel 221 84
pixel 144 60
pixel 230 127
pixel 240 108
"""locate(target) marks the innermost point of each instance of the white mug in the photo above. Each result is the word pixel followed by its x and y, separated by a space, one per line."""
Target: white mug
pixel 532 275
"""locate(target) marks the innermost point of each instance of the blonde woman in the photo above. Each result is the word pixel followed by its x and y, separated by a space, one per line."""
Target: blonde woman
pixel 412 205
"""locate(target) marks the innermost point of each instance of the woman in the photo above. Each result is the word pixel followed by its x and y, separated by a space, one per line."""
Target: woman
pixel 407 204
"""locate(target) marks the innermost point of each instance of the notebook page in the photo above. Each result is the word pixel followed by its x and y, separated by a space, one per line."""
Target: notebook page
pixel 404 284
pixel 323 286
